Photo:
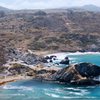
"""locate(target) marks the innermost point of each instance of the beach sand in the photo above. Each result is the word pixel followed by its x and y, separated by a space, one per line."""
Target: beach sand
pixel 8 79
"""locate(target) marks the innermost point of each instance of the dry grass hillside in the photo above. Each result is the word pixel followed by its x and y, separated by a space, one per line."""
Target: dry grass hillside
pixel 61 31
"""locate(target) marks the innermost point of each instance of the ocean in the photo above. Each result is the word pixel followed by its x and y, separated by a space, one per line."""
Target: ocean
pixel 42 90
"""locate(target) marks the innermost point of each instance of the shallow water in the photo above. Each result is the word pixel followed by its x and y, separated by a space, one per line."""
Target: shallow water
pixel 91 58
pixel 38 90
pixel 75 58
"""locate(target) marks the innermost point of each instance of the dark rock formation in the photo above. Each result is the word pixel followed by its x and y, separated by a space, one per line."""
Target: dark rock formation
pixel 65 61
pixel 79 74
pixel 88 69
pixel 85 82
pixel 48 59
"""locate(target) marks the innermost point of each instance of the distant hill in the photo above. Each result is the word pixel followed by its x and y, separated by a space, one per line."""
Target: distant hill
pixel 92 8
pixel 4 9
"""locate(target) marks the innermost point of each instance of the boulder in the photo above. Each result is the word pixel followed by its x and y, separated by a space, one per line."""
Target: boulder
pixel 52 56
pixel 48 59
pixel 65 61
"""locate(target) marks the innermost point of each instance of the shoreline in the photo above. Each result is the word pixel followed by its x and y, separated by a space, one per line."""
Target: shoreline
pixel 9 79
pixel 44 53
pixel 74 53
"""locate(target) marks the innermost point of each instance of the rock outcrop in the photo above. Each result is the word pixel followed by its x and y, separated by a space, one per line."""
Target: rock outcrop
pixel 39 71
pixel 49 59
pixel 79 74
pixel 52 58
pixel 65 61
pixel 24 57
pixel 88 70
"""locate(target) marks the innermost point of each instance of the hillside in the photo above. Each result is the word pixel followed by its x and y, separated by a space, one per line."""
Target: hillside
pixel 91 8
pixel 42 31
pixel 70 31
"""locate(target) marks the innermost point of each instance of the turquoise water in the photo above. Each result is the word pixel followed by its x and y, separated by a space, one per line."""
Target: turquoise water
pixel 91 58
pixel 38 90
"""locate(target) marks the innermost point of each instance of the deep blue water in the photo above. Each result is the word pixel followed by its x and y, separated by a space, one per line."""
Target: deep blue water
pixel 37 90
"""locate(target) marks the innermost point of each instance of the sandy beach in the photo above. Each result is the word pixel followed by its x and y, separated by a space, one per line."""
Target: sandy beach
pixel 8 79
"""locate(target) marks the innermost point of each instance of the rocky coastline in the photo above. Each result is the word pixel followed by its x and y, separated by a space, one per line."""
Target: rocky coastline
pixel 79 74
pixel 30 66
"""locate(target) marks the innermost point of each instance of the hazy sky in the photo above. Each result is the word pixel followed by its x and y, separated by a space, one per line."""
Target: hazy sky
pixel 42 4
